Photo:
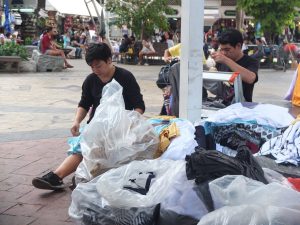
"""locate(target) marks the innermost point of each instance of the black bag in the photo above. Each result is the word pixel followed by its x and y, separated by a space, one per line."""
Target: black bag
pixel 203 165
pixel 163 76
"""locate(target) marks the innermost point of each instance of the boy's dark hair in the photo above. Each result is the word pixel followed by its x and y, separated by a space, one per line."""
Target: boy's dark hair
pixel 232 37
pixel 99 51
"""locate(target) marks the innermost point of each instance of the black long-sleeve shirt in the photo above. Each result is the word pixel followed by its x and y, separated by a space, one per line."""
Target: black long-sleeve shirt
pixel 250 64
pixel 92 91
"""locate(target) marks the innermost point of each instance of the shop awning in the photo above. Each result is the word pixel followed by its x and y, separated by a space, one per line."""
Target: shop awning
pixel 72 7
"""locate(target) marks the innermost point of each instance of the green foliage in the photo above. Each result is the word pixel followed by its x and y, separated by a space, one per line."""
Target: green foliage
pixel 12 49
pixel 28 41
pixel 41 22
pixel 273 15
pixel 142 16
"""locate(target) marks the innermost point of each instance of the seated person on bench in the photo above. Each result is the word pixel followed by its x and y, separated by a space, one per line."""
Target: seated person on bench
pixel 147 50
pixel 49 48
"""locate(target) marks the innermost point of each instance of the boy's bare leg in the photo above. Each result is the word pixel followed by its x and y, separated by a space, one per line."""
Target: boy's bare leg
pixel 68 166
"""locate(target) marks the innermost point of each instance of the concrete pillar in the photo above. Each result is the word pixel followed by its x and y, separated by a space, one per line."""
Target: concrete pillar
pixel 191 65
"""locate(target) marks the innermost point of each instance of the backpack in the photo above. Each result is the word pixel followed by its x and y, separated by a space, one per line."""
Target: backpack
pixel 163 75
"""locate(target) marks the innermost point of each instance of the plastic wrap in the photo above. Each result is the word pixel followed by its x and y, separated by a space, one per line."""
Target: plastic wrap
pixel 275 177
pixel 111 184
pixel 114 136
pixel 88 207
pixel 118 205
pixel 241 201
pixel 182 145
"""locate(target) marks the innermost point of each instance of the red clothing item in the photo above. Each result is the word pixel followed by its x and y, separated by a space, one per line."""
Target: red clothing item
pixel 295 182
pixel 290 47
pixel 46 43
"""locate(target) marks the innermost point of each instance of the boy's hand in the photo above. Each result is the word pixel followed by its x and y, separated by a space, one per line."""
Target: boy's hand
pixel 75 129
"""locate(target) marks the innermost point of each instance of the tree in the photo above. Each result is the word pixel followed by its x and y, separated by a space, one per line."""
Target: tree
pixel 273 15
pixel 142 16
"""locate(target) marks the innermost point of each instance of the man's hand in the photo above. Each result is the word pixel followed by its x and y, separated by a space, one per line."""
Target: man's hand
pixel 75 129
pixel 219 57
pixel 168 59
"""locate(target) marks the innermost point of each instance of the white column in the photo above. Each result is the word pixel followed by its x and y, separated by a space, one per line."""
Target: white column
pixel 191 65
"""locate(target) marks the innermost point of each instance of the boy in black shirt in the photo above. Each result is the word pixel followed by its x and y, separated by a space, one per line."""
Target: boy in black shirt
pixel 100 59
pixel 230 58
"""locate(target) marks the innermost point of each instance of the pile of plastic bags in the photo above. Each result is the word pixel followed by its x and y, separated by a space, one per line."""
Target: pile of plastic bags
pixel 128 187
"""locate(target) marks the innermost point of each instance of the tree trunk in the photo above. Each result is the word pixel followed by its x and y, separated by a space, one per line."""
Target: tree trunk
pixel 142 30
pixel 239 19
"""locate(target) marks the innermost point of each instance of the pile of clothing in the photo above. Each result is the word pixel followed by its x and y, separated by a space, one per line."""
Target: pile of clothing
pixel 208 174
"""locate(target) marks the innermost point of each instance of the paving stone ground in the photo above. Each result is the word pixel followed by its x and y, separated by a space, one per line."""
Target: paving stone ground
pixel 36 112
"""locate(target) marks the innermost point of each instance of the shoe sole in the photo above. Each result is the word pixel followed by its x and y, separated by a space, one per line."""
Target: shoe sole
pixel 41 184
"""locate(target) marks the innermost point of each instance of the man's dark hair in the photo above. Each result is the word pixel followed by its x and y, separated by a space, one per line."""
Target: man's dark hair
pixel 99 51
pixel 232 37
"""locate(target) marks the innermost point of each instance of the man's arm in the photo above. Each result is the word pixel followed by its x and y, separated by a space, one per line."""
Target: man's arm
pixel 56 46
pixel 80 115
pixel 139 110
pixel 246 75
pixel 167 56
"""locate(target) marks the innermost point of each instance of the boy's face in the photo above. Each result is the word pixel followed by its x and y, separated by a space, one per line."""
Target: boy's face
pixel 100 67
pixel 230 51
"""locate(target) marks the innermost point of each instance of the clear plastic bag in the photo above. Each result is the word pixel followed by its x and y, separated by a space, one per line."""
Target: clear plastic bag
pixel 88 207
pixel 170 188
pixel 183 200
pixel 275 177
pixel 111 184
pixel 115 136
pixel 241 201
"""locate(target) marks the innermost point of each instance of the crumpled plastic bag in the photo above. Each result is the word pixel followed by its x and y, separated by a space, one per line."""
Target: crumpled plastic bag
pixel 111 184
pixel 169 187
pixel 88 207
pixel 115 136
pixel 242 201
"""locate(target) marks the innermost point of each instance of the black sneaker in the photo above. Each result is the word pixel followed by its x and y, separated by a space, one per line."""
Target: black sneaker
pixel 50 181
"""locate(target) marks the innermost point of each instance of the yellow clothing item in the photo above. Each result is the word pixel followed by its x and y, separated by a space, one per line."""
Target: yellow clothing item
pixel 296 92
pixel 165 138
pixel 175 51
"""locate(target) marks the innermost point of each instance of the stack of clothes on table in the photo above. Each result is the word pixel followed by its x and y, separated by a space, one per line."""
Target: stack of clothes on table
pixel 208 174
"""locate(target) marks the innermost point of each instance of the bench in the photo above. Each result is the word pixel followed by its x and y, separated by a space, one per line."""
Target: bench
pixel 47 63
pixel 131 58
pixel 157 58
pixel 29 49
pixel 12 59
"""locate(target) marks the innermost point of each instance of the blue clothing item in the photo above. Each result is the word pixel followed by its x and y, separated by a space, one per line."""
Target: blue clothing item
pixel 74 143
pixel 160 124
pixel 67 41
pixel 208 125
pixel 78 52
pixel 7 18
